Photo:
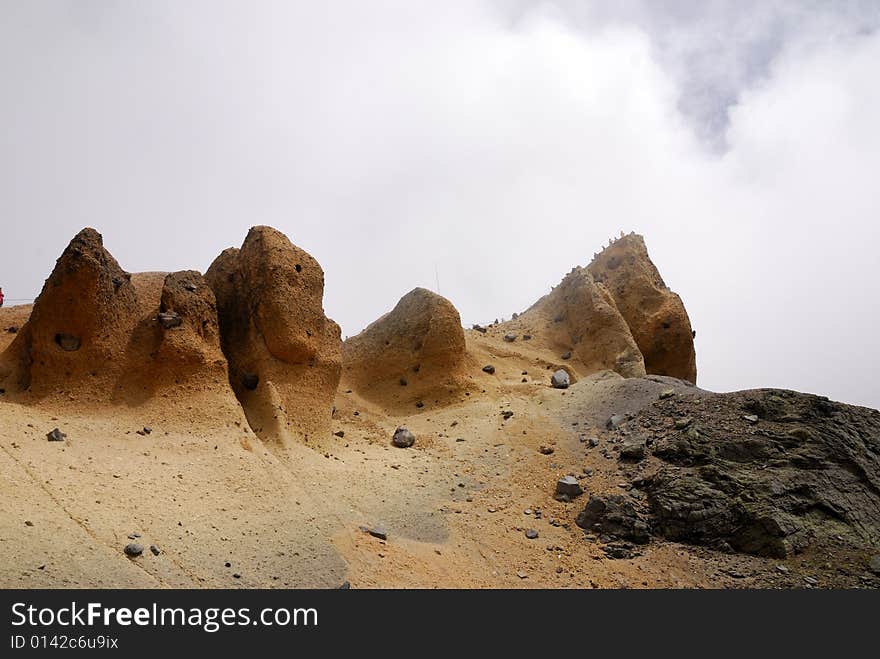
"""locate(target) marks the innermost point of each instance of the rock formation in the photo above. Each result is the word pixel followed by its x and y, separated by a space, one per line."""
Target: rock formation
pixel 655 315
pixel 580 315
pixel 615 314
pixel 284 354
pixel 95 336
pixel 79 328
pixel 766 472
pixel 415 350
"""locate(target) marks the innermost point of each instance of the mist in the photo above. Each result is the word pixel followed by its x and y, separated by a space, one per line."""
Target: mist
pixel 481 149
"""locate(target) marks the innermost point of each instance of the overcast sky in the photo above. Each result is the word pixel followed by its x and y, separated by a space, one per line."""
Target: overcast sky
pixel 490 145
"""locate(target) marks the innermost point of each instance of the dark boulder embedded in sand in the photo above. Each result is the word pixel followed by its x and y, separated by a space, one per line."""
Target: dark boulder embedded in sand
pixel 560 379
pixel 55 435
pixel 403 438
pixel 568 486
pixel 133 549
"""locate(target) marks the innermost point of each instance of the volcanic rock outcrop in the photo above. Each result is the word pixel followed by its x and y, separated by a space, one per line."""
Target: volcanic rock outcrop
pixel 284 354
pixel 766 472
pixel 655 315
pixel 415 350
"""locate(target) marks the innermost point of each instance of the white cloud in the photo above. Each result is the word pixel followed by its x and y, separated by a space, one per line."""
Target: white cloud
pixel 499 144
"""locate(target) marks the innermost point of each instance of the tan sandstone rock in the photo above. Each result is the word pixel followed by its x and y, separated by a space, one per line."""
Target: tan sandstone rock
pixel 80 324
pixel 284 354
pixel 580 316
pixel 415 350
pixel 656 316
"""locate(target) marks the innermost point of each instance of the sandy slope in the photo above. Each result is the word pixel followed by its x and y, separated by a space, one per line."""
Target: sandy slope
pixel 209 494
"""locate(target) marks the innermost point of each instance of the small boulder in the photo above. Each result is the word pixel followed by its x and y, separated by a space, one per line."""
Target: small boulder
pixel 633 449
pixel 378 532
pixel 169 319
pixel 133 549
pixel 531 534
pixel 560 379
pixel 56 435
pixel 156 551
pixel 566 355
pixel 568 486
pixel 510 338
pixel 403 438
pixel 614 421
pixel 488 368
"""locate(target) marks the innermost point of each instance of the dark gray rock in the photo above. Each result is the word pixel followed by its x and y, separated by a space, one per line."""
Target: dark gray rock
pixel 569 486
pixel 133 549
pixel 510 338
pixel 169 319
pixel 403 438
pixel 566 355
pixel 250 381
pixel 810 468
pixel 614 421
pixel 156 551
pixel 560 379
pixel 619 550
pixel 489 369
pixel 531 534
pixel 593 442
pixel 615 515
pixel 633 449
pixel 56 435
pixel 379 531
